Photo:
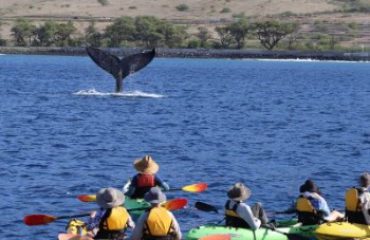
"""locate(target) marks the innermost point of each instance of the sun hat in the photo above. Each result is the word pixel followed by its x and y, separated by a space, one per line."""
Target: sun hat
pixel 365 179
pixel 239 192
pixel 109 197
pixel 146 165
pixel 155 195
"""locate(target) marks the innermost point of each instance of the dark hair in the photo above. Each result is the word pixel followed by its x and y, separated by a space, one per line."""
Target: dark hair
pixel 309 186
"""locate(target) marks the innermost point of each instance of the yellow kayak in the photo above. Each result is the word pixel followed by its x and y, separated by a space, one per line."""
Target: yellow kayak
pixel 342 230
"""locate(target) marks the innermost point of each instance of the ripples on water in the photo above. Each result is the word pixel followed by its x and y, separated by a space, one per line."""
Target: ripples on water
pixel 269 124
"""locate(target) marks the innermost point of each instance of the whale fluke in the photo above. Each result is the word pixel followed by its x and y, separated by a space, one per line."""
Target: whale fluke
pixel 120 68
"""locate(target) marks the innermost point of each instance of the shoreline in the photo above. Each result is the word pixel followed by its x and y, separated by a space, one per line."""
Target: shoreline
pixel 200 53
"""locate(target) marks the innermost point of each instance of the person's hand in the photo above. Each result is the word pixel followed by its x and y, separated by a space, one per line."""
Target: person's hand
pixel 93 214
pixel 165 187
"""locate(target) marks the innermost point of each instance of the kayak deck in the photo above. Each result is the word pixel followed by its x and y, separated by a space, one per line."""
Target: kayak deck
pixel 342 230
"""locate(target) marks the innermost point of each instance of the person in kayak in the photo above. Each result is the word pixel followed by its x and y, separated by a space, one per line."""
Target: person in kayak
pixel 312 208
pixel 111 220
pixel 145 179
pixel 157 223
pixel 358 201
pixel 240 214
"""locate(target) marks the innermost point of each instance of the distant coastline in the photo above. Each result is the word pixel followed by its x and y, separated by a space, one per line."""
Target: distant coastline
pixel 201 53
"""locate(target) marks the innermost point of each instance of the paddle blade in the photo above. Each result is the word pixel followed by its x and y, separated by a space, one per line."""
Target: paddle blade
pixel 195 188
pixel 175 204
pixel 205 207
pixel 87 198
pixel 38 219
pixel 217 237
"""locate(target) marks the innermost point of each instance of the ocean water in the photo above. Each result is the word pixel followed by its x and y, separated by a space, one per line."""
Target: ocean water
pixel 269 124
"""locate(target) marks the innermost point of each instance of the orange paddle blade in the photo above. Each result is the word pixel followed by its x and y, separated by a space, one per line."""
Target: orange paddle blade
pixel 195 188
pixel 217 237
pixel 87 198
pixel 38 219
pixel 175 204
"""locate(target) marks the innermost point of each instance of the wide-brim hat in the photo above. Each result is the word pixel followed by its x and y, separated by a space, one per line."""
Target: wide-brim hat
pixel 155 195
pixel 109 198
pixel 146 165
pixel 239 192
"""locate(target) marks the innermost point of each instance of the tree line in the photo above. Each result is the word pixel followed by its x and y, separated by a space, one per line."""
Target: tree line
pixel 149 31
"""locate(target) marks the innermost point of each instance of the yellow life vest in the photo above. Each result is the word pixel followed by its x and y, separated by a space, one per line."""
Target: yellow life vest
pixel 304 205
pixel 352 200
pixel 159 222
pixel 117 220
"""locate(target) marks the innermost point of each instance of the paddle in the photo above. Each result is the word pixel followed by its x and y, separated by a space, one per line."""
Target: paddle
pixel 42 219
pixel 193 188
pixel 217 237
pixel 210 208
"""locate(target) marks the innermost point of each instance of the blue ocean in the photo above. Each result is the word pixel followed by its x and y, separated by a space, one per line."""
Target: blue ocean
pixel 269 124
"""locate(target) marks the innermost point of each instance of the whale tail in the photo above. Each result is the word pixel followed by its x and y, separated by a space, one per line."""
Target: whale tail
pixel 120 68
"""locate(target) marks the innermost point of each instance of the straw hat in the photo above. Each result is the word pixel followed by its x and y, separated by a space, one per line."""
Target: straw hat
pixel 146 165
pixel 109 198
pixel 239 192
pixel 155 195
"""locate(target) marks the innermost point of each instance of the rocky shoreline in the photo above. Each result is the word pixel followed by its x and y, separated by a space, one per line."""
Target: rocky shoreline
pixel 200 53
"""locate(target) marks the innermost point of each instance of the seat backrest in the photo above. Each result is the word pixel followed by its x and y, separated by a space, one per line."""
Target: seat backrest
pixel 307 214
pixel 353 207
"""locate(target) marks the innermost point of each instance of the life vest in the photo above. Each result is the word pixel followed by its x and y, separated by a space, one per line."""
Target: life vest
pixel 113 223
pixel 144 182
pixel 76 226
pixel 353 206
pixel 232 219
pixel 158 225
pixel 307 214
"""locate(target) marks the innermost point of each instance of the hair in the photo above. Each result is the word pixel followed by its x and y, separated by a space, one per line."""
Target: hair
pixel 309 186
pixel 365 180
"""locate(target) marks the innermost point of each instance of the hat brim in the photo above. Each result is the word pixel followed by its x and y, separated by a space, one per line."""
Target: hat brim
pixel 119 201
pixel 151 169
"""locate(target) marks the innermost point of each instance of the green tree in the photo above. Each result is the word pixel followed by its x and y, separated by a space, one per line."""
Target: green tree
pixel 203 35
pixel 63 35
pixel 46 34
pixel 122 29
pixel 226 39
pixel 271 32
pixel 239 30
pixel 23 32
pixel 147 30
pixel 173 36
pixel 92 36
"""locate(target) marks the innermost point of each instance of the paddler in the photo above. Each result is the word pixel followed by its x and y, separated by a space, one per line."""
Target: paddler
pixel 157 223
pixel 112 219
pixel 240 214
pixel 311 192
pixel 146 178
pixel 360 198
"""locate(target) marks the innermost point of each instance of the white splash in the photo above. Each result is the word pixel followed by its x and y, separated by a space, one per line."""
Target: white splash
pixel 93 92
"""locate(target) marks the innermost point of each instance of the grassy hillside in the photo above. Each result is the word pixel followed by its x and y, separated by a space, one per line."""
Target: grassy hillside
pixel 314 16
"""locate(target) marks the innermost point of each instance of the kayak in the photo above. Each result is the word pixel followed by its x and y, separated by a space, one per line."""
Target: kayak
pixel 134 204
pixel 245 234
pixel 342 230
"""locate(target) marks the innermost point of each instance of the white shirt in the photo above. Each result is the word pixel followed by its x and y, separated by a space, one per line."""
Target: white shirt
pixel 365 204
pixel 245 212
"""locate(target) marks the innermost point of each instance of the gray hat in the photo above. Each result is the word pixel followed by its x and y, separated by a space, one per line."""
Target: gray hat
pixel 109 198
pixel 365 179
pixel 155 195
pixel 239 192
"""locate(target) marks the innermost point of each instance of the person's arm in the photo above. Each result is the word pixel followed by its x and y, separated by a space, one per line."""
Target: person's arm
pixel 176 227
pixel 137 233
pixel 94 220
pixel 161 184
pixel 132 188
pixel 245 212
pixel 130 222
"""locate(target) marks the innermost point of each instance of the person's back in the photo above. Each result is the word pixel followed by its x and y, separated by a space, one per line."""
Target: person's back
pixel 157 223
pixel 358 201
pixel 239 214
pixel 145 179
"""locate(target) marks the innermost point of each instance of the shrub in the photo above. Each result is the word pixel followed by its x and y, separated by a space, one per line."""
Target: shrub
pixel 225 10
pixel 182 7
pixel 103 2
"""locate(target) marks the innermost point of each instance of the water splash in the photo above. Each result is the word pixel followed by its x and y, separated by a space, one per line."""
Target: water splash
pixel 93 92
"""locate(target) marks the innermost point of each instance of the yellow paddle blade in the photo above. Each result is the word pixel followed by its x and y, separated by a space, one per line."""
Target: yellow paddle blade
pixel 195 188
pixel 87 198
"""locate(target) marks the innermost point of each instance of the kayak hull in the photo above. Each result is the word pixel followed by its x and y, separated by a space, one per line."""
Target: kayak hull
pixel 342 230
pixel 136 203
pixel 245 234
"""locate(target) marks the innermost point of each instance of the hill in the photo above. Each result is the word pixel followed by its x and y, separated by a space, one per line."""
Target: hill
pixel 331 15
